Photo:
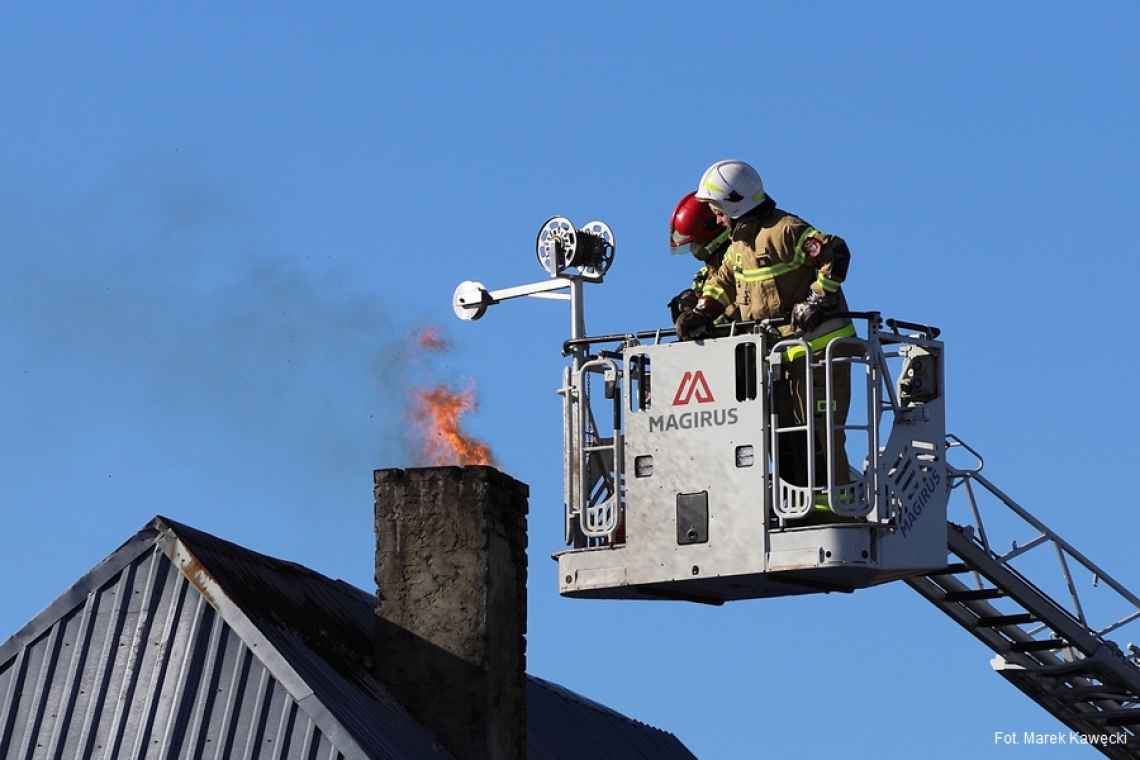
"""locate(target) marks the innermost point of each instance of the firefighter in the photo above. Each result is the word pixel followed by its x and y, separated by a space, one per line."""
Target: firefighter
pixel 694 226
pixel 779 266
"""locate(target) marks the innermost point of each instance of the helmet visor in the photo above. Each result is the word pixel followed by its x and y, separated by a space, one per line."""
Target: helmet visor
pixel 679 242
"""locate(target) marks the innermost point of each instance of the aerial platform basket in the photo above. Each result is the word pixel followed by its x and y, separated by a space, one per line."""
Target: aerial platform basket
pixel 674 486
pixel 680 496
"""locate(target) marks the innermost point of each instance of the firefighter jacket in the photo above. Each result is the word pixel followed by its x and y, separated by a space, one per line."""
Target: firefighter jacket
pixel 702 277
pixel 775 260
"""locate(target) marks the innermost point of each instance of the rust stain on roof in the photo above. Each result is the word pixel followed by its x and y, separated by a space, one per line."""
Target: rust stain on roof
pixel 199 577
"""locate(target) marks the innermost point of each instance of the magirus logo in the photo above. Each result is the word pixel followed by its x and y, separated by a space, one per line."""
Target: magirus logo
pixel 913 509
pixel 693 387
pixel 693 384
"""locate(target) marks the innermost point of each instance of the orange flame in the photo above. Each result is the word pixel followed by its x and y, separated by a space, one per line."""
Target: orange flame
pixel 438 413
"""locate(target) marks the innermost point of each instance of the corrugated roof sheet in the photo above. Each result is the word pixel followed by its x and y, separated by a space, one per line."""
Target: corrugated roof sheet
pixel 136 664
pixel 564 725
pixel 181 644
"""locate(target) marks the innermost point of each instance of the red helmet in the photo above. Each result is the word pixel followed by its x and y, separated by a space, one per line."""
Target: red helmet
pixel 692 222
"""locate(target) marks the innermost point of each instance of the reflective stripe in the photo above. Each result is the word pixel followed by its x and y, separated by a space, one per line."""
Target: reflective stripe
pixel 768 273
pixel 821 505
pixel 795 352
pixel 713 187
pixel 718 239
pixel 714 291
pixel 800 243
pixel 828 285
pixel 700 278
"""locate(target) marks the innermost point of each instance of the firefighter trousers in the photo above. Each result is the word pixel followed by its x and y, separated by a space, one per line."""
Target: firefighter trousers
pixel 791 409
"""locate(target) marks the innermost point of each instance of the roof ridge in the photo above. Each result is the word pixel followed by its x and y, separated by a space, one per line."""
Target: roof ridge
pixel 180 528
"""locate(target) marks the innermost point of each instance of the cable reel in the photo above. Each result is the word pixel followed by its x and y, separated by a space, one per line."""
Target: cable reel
pixel 590 249
pixel 556 245
pixel 559 245
pixel 597 245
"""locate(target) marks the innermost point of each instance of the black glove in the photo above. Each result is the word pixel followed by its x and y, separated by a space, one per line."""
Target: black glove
pixel 692 324
pixel 808 314
pixel 684 301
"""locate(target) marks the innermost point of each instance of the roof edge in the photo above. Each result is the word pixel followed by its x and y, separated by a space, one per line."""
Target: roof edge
pixel 77 593
pixel 569 694
pixel 585 701
pixel 200 576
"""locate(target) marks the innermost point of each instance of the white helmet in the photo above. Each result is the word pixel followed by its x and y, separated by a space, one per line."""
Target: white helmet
pixel 733 186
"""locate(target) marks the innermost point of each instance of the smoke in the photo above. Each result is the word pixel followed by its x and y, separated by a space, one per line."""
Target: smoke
pixel 151 322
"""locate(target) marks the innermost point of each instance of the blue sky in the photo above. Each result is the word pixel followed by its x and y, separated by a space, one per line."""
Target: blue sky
pixel 219 227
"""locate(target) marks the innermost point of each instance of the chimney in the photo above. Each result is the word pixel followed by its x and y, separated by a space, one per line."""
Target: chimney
pixel 451 616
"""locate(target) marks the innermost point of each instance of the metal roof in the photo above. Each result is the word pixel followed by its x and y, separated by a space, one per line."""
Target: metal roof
pixel 181 644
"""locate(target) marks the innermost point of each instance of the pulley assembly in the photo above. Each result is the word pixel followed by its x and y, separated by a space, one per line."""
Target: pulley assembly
pixel 560 245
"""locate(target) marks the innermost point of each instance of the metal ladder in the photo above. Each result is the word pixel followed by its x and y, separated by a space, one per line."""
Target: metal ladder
pixel 1046 647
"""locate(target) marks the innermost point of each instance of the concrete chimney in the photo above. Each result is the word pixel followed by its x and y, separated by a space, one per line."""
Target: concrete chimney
pixel 451 618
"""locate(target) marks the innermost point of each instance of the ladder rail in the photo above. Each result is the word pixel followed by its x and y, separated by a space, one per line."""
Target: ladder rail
pixel 1074 670
pixel 1024 592
pixel 1020 662
pixel 1042 674
pixel 1057 540
pixel 1045 535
